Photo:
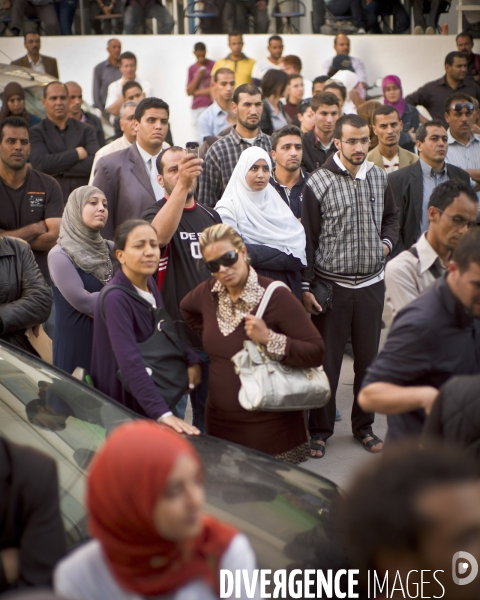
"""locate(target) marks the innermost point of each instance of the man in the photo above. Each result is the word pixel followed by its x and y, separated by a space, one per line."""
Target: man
pixel 434 94
pixel 407 516
pixel 306 116
pixel 288 178
pixel 236 61
pixel 295 94
pixel 388 127
pixel 341 45
pixel 412 186
pixel 75 99
pixel 43 10
pixel 129 178
pixel 223 155
pixel 132 92
pixel 343 285
pixel 214 119
pixel 275 49
pixel 31 202
pixel 34 60
pixel 128 69
pixel 452 205
pixel 106 73
pixel 179 222
pixel 433 338
pixel 198 82
pixel 318 143
pixel 61 146
pixel 292 65
pixel 318 84
pixel 465 45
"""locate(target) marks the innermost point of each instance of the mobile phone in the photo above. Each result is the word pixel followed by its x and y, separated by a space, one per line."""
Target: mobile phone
pixel 193 148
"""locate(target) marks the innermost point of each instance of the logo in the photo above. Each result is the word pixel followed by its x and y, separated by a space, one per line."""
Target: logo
pixel 460 568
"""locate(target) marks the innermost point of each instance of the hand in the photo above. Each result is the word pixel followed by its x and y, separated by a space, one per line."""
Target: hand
pixel 189 169
pixel 261 5
pixel 82 153
pixel 256 329
pixel 430 394
pixel 386 249
pixel 106 10
pixel 11 564
pixel 194 376
pixel 413 135
pixel 36 330
pixel 310 303
pixel 179 425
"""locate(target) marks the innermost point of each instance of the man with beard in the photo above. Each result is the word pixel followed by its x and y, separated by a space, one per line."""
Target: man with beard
pixel 223 155
pixel 179 221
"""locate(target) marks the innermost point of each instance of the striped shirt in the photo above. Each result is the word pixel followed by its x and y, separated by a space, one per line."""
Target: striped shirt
pixel 465 156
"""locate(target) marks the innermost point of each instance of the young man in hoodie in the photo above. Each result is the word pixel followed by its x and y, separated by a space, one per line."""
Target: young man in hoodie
pixel 350 218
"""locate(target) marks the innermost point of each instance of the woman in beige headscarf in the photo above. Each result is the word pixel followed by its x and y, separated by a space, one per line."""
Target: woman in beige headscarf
pixel 79 265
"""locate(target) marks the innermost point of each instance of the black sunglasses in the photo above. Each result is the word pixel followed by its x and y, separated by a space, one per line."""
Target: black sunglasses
pixel 458 107
pixel 226 260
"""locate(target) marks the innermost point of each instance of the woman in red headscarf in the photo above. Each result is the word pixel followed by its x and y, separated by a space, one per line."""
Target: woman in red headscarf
pixel 145 497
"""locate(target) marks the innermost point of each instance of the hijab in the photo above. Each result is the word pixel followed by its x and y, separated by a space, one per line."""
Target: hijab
pixel 85 246
pixel 262 217
pixel 400 103
pixel 13 89
pixel 127 477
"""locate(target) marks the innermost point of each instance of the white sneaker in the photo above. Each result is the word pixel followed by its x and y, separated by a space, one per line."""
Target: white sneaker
pixel 418 30
pixel 361 31
pixel 430 31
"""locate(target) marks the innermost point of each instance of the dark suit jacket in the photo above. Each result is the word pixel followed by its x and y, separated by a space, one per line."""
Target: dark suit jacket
pixel 96 123
pixel 30 513
pixel 407 187
pixel 56 155
pixel 123 179
pixel 51 67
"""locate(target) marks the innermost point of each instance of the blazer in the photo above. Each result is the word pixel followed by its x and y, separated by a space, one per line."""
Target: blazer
pixel 407 187
pixel 50 64
pixel 123 179
pixel 405 158
pixel 55 154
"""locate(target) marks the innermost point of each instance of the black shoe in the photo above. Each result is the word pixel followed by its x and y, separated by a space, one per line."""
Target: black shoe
pixel 15 31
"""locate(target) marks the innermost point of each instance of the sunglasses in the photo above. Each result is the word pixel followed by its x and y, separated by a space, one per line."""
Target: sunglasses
pixel 458 107
pixel 226 260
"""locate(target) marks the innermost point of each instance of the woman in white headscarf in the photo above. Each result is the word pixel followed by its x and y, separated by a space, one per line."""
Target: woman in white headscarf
pixel 80 265
pixel 275 239
pixel 355 90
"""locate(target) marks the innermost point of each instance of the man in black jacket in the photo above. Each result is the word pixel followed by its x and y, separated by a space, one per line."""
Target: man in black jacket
pixel 62 147
pixel 412 186
pixel 75 99
pixel 318 143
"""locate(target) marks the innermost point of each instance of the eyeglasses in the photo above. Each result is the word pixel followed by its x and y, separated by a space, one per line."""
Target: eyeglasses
pixel 458 107
pixel 459 222
pixel 352 142
pixel 226 260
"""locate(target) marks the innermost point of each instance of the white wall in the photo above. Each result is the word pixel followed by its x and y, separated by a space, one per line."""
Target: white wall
pixel 164 60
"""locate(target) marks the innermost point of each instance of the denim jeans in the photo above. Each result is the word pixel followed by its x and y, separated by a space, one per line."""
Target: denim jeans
pixel 244 8
pixel 344 8
pixel 65 10
pixel 181 407
pixel 134 16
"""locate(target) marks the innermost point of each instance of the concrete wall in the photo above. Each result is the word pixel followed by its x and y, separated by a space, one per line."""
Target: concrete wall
pixel 164 60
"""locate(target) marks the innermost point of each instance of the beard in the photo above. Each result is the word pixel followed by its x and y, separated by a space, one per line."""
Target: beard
pixel 249 126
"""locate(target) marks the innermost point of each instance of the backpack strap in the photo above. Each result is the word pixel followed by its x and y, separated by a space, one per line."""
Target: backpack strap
pixel 267 295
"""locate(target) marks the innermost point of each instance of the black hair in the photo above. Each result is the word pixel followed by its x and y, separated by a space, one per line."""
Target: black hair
pixel 464 34
pixel 127 56
pixel 274 82
pixel 324 98
pixel 422 130
pixel 457 96
pixel 320 79
pixel 45 89
pixel 31 408
pixel 304 105
pixel 352 120
pixel 125 229
pixel 467 250
pixel 148 103
pixel 246 88
pixel 222 71
pixel 282 132
pixel 337 86
pixel 451 56
pixel 200 46
pixel 445 193
pixel 159 162
pixel 129 85
pixel 12 122
pixel 30 33
pixel 385 109
pixel 234 33
pixel 274 38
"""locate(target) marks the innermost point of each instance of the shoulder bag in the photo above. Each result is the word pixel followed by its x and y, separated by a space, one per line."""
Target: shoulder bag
pixel 268 384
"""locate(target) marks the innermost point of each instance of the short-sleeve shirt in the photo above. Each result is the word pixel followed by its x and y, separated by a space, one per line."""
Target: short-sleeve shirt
pixel 38 198
pixel 201 101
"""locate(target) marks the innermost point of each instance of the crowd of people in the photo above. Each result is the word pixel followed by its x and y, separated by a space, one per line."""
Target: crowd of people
pixel 346 201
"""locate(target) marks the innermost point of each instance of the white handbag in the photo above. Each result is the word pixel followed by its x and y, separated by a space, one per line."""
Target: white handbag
pixel 270 385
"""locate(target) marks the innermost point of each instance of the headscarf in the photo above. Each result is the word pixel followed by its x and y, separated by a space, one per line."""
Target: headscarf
pixel 85 246
pixel 13 89
pixel 262 217
pixel 126 479
pixel 399 104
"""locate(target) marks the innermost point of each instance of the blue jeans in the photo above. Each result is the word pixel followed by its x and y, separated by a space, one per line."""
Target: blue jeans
pixel 345 8
pixel 134 16
pixel 198 397
pixel 65 10
pixel 181 407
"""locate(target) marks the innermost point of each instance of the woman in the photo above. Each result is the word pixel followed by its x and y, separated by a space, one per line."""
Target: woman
pixel 128 322
pixel 305 117
pixel 145 498
pixel 339 90
pixel 251 205
pixel 295 93
pixel 222 310
pixel 79 265
pixel 355 90
pixel 274 84
pixel 366 110
pixel 13 99
pixel 393 95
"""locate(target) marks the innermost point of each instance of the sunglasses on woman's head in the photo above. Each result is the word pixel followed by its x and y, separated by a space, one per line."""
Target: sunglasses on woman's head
pixel 226 260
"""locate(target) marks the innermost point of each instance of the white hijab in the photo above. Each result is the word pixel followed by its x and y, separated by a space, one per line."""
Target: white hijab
pixel 260 217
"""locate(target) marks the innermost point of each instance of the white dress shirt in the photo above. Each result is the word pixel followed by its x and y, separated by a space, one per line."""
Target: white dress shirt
pixel 115 89
pixel 38 67
pixel 151 168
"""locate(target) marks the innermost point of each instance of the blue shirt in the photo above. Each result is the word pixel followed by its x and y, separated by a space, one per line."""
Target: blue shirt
pixel 212 121
pixel 431 179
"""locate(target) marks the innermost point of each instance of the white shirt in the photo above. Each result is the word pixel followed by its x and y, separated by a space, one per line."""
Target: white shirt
pixel 115 89
pixel 38 67
pixel 150 163
pixel 357 64
pixel 391 166
pixel 261 67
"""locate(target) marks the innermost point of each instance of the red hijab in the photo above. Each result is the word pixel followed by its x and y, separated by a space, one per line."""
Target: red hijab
pixel 126 479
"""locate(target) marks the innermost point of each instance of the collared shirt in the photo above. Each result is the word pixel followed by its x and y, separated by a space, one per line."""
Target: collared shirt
pixel 406 276
pixel 391 165
pixel 362 171
pixel 103 75
pixel 291 196
pixel 432 339
pixel 115 90
pixel 431 179
pixel 38 67
pixel 357 64
pixel 242 68
pixel 465 156
pixel 212 121
pixel 220 161
pixel 150 163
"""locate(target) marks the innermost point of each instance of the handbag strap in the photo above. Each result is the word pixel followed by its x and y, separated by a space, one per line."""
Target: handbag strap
pixel 267 295
pixel 131 293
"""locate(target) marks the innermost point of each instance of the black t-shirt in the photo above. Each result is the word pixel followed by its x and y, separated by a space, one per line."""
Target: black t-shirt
pixel 182 267
pixel 38 198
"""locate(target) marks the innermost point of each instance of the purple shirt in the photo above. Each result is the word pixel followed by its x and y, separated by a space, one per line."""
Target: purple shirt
pixel 201 101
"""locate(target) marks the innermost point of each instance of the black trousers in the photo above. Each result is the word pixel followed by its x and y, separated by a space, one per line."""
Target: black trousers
pixel 356 313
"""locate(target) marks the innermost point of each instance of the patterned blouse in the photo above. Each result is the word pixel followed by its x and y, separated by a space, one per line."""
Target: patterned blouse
pixel 230 314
